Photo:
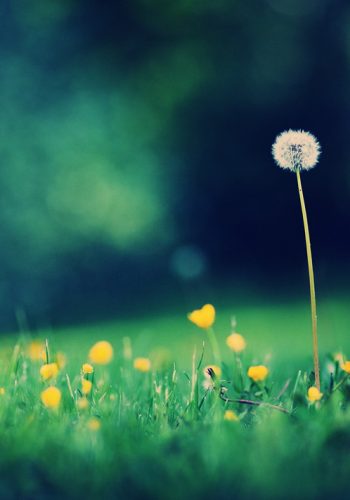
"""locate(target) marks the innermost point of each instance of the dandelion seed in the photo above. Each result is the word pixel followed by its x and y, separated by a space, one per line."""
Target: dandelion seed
pixel 51 397
pixel 101 353
pixel 142 364
pixel 49 371
pixel 204 317
pixel 86 386
pixel 296 150
pixel 230 416
pixel 258 373
pixel 236 342
pixel 313 394
pixel 87 369
pixel 94 424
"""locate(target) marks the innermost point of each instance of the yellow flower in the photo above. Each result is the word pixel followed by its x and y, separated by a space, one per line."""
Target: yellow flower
pixel 2 391
pixel 313 394
pixel 230 416
pixel 101 353
pixel 86 386
pixel 61 360
pixel 142 364
pixel 51 397
pixel 49 371
pixel 236 342
pixel 82 403
pixel 94 424
pixel 258 373
pixel 87 368
pixel 216 370
pixel 346 366
pixel 203 318
pixel 36 351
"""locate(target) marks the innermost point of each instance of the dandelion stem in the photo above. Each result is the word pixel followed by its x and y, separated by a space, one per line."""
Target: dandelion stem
pixel 311 281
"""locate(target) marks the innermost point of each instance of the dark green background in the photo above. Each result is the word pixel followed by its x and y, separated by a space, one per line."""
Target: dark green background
pixel 135 144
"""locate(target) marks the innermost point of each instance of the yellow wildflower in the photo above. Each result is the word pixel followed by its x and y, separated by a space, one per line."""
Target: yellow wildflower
pixel 82 403
pixel 101 353
pixel 51 397
pixel 346 366
pixel 94 424
pixel 313 394
pixel 87 369
pixel 86 386
pixel 204 317
pixel 2 391
pixel 61 360
pixel 49 371
pixel 216 370
pixel 258 373
pixel 36 351
pixel 236 342
pixel 142 364
pixel 230 416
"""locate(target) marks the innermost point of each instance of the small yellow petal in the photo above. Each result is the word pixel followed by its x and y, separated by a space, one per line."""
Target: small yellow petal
pixel 346 366
pixel 236 342
pixel 36 351
pixel 51 397
pixel 204 317
pixel 258 373
pixel 87 368
pixel 94 424
pixel 82 403
pixel 49 371
pixel 313 394
pixel 101 353
pixel 142 364
pixel 230 416
pixel 86 386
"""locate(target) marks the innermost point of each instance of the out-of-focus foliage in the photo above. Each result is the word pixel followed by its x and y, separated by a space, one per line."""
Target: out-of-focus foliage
pixel 128 129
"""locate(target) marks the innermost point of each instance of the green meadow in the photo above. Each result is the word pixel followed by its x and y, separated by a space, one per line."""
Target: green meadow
pixel 162 433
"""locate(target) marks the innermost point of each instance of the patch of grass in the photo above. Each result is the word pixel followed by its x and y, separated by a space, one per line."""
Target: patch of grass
pixel 162 433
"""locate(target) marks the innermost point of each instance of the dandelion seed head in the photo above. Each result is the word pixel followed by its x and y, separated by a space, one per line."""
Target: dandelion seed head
pixel 296 149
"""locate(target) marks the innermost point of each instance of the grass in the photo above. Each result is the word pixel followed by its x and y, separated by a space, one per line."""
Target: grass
pixel 161 435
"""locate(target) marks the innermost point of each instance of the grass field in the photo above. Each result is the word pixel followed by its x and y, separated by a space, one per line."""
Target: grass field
pixel 162 433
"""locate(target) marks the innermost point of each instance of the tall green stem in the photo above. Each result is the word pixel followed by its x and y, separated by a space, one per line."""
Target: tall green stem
pixel 214 345
pixel 311 281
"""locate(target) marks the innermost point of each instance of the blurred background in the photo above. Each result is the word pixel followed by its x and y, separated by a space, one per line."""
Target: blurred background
pixel 135 144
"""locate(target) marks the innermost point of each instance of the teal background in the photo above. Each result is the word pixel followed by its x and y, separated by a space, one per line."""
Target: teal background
pixel 136 172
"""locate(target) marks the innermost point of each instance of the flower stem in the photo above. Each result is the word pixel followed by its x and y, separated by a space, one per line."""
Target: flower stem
pixel 311 281
pixel 214 345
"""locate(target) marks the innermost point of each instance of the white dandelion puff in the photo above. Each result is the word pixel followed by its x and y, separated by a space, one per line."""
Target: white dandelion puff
pixel 296 150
